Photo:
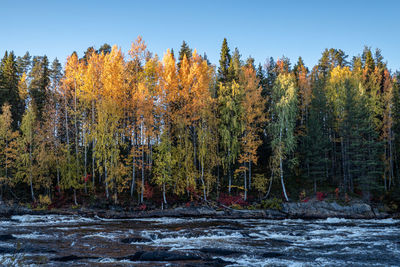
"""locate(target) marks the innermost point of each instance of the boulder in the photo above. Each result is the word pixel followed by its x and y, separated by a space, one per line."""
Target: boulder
pixel 219 251
pixel 6 237
pixel 136 239
pixel 161 255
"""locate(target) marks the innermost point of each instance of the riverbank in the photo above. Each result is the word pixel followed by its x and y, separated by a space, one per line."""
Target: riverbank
pixel 289 210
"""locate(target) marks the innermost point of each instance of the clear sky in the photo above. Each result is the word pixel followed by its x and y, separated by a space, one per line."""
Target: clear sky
pixel 258 28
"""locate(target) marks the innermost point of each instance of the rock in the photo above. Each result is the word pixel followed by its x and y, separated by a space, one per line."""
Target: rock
pixel 216 262
pixel 6 237
pixel 160 255
pixel 72 258
pixel 7 250
pixel 323 209
pixel 134 257
pixel 220 251
pixel 136 239
pixel 272 254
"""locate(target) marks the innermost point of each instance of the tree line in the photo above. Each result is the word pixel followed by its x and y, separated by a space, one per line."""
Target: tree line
pixel 123 127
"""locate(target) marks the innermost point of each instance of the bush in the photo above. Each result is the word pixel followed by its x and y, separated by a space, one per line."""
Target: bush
pixel 229 200
pixel 273 204
pixel 321 196
pixel 44 200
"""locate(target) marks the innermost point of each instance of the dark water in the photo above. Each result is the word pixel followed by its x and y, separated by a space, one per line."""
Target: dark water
pixel 331 242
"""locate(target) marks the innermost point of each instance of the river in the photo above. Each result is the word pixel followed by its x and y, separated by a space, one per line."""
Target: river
pixel 45 239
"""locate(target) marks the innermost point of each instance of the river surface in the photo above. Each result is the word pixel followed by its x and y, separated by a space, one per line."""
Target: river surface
pixel 258 242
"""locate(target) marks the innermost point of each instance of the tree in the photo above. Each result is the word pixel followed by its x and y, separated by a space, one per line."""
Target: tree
pixel 253 119
pixel 282 122
pixel 9 87
pixel 315 145
pixel 24 64
pixel 184 51
pixel 163 164
pixel 230 125
pixel 225 60
pixel 40 79
pixel 27 149
pixel 8 149
pixel 104 49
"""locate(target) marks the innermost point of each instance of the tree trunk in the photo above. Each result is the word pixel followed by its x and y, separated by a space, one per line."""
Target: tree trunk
pixel 230 178
pixel 245 185
pixel 164 197
pixel 30 166
pixel 105 179
pixel 58 180
pixel 93 144
pixel 281 167
pixel 133 175
pixel 270 184
pixel 202 180
pixel 343 165
pixel 249 174
pixel 85 173
pixel 76 137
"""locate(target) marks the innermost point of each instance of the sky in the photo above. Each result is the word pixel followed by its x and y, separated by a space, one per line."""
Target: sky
pixel 260 29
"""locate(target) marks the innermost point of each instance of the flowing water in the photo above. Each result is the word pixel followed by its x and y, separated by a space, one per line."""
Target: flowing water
pixel 256 242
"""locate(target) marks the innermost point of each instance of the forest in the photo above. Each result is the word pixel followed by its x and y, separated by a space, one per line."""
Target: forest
pixel 139 130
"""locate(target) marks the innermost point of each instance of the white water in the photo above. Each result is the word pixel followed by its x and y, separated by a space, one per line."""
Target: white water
pixel 330 242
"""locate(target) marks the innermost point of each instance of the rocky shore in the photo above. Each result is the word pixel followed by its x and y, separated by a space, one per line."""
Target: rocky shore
pixel 293 210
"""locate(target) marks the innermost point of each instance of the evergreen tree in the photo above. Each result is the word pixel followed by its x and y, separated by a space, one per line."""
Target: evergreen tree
pixel 224 62
pixel 316 140
pixel 8 149
pixel 40 79
pixel 27 150
pixel 235 67
pixel 9 87
pixel 24 64
pixel 105 49
pixel 184 51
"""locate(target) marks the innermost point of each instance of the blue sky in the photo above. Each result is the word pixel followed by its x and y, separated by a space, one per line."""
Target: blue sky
pixel 258 28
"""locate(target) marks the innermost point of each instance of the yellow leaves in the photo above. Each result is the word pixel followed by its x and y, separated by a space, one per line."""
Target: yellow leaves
pixel 23 87
pixel 113 74
pixel 92 85
pixel 339 75
pixel 138 50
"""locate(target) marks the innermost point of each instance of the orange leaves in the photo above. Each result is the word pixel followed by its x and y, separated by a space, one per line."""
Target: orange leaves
pixel 113 74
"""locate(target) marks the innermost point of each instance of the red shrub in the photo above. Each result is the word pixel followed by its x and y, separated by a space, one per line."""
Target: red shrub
pixel 305 200
pixel 321 196
pixel 148 191
pixel 229 200
pixel 142 207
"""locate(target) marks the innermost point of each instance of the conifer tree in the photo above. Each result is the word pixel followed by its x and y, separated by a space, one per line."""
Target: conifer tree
pixel 224 62
pixel 9 87
pixel 27 150
pixel 8 149
pixel 38 87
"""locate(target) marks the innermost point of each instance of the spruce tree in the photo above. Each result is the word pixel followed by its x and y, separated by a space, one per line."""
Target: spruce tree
pixel 40 79
pixel 224 62
pixel 184 51
pixel 24 64
pixel 316 140
pixel 9 87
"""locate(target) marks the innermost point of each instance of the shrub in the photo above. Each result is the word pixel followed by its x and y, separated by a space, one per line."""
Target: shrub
pixel 321 196
pixel 44 200
pixel 229 200
pixel 273 204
